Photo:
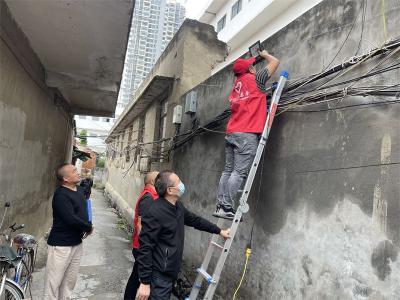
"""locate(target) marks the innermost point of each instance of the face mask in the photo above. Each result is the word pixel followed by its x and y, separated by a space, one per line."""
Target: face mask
pixel 181 188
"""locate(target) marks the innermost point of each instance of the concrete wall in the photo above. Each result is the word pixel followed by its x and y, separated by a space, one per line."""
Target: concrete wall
pixel 35 137
pixel 327 220
pixel 188 58
pixel 125 181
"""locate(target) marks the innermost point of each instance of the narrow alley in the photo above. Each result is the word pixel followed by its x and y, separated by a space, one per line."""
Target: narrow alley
pixel 107 258
pixel 267 131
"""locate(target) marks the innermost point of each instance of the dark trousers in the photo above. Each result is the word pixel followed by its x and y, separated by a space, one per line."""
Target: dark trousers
pixel 133 282
pixel 160 287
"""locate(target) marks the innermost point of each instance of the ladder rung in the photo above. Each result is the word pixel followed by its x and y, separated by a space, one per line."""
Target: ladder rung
pixel 217 245
pixel 207 276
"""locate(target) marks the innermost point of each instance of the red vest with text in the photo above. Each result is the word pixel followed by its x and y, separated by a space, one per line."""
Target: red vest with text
pixel 153 194
pixel 248 106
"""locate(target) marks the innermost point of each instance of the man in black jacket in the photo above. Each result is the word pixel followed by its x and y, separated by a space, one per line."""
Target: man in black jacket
pixel 87 184
pixel 70 224
pixel 162 238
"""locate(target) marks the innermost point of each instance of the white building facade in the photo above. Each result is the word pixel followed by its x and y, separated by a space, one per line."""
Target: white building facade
pixel 241 23
pixel 97 129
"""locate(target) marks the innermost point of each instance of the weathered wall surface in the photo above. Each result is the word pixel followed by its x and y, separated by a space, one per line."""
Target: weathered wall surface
pixel 125 181
pixel 327 222
pixel 35 137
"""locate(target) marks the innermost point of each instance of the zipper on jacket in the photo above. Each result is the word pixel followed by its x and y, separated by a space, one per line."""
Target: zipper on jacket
pixel 166 259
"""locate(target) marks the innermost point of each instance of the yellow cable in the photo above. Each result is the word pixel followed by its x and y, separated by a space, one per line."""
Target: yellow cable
pixel 384 20
pixel 248 253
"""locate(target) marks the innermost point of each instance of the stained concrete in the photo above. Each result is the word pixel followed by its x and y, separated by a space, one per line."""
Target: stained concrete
pixel 107 257
pixel 35 137
pixel 54 61
pixel 326 214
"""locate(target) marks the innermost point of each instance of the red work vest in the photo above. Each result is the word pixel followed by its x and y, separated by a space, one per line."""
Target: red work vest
pixel 135 237
pixel 248 106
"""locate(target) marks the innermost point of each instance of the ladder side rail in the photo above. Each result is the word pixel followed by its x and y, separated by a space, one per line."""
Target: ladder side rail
pixel 221 261
pixel 199 278
pixel 243 207
pixel 262 143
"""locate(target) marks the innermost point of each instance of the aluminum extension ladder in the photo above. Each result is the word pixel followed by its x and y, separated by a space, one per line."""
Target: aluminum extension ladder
pixel 243 208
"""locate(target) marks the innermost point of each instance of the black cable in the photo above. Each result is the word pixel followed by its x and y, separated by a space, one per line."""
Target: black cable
pixel 362 105
pixel 364 9
pixel 334 94
pixel 395 66
pixel 344 42
pixel 347 168
pixel 388 46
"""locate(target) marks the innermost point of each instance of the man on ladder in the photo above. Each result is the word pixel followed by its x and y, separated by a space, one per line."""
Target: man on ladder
pixel 248 116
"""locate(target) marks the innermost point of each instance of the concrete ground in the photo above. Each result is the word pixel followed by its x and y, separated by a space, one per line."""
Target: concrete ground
pixel 107 258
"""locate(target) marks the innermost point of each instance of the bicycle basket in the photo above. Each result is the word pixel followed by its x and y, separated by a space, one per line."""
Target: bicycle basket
pixel 24 240
pixel 8 257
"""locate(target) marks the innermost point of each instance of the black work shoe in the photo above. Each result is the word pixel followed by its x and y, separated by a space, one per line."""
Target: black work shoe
pixel 223 213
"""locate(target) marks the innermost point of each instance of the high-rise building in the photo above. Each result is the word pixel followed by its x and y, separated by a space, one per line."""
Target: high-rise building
pixel 154 23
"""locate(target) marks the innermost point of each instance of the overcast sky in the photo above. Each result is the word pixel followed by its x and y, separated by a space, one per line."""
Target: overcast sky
pixel 193 8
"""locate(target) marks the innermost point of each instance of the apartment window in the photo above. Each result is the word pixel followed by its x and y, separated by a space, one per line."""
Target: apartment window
pixel 128 154
pixel 106 120
pixel 221 23
pixel 95 118
pixel 82 117
pixel 121 140
pixel 140 136
pixel 163 126
pixel 236 8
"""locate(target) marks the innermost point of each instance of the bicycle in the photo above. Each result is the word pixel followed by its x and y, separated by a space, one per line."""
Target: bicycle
pixel 21 261
pixel 26 245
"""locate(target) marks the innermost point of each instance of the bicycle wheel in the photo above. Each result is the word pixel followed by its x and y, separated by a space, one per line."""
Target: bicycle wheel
pixel 12 291
pixel 25 269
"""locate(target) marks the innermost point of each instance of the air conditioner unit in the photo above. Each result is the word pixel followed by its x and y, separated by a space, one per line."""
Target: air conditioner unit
pixel 191 102
pixel 177 116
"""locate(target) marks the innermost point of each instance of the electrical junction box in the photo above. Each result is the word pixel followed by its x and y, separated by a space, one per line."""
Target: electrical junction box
pixel 191 102
pixel 177 116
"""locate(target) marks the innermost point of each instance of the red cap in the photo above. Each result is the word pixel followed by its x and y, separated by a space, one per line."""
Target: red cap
pixel 241 65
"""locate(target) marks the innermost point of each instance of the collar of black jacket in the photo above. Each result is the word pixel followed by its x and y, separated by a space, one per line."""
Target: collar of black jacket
pixel 174 206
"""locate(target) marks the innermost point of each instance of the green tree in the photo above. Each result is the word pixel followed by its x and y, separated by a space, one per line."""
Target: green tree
pixel 101 163
pixel 83 137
